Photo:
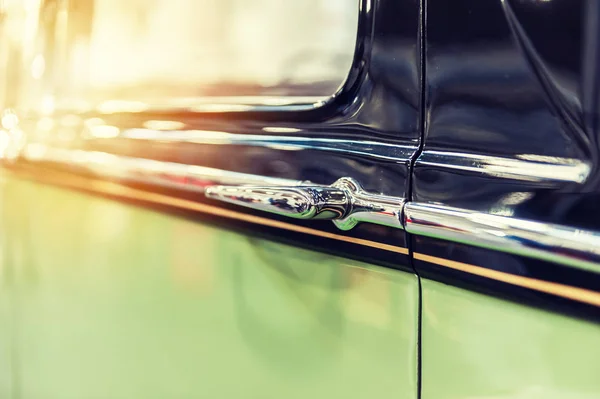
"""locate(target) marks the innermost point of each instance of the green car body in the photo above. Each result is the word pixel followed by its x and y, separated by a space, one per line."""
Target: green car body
pixel 106 300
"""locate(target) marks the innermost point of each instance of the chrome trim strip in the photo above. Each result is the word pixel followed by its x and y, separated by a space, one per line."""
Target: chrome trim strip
pixel 210 104
pixel 527 167
pixel 371 149
pixel 167 174
pixel 344 202
pixel 66 179
pixel 231 104
pixel 549 242
pixel 361 206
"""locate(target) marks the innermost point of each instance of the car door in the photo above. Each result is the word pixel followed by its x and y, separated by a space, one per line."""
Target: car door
pixel 503 217
pixel 144 261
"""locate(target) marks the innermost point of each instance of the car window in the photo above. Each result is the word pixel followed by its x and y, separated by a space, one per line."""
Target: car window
pixel 181 52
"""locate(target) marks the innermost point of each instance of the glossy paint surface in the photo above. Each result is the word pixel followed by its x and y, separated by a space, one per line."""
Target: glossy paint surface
pixel 478 62
pixel 511 112
pixel 512 81
pixel 109 300
pixel 475 346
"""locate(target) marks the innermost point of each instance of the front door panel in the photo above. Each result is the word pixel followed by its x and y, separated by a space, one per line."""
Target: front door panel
pixel 503 219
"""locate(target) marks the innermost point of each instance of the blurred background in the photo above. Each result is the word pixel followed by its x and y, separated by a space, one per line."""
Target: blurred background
pixel 77 53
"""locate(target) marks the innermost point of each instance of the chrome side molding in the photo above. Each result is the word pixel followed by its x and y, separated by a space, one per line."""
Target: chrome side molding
pixel 344 202
pixel 524 167
pixel 549 242
pixel 141 170
pixel 363 148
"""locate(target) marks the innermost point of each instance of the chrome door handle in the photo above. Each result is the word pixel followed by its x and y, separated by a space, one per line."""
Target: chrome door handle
pixel 345 202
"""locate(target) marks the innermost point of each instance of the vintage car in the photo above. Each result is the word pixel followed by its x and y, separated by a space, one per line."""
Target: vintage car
pixel 316 198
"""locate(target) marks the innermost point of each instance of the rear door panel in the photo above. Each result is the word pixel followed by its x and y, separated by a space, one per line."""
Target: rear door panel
pixel 117 301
